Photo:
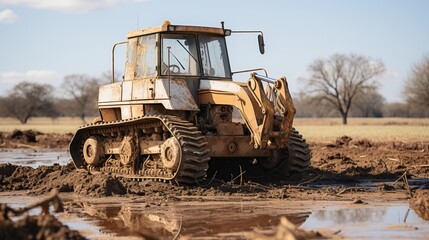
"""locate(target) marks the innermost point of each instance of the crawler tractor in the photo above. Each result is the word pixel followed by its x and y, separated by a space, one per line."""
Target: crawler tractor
pixel 172 113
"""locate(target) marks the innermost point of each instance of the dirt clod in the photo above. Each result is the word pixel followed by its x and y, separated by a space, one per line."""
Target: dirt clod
pixel 343 141
pixel 16 223
pixel 363 143
pixel 37 227
pixel 358 201
pixel 420 203
pixel 286 230
pixel 29 135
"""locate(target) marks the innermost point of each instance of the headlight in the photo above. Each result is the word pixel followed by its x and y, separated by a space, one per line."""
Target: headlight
pixel 171 28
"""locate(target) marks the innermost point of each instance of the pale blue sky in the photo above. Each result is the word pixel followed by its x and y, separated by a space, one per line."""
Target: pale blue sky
pixel 44 40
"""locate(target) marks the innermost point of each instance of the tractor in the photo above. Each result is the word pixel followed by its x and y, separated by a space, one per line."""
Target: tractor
pixel 177 111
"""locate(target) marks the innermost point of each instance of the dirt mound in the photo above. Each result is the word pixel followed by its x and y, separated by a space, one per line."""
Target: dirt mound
pixel 348 141
pixel 42 226
pixel 363 143
pixel 365 159
pixel 344 140
pixel 34 139
pixel 6 170
pixel 28 135
pixel 64 178
pixel 419 146
pixel 18 224
pixel 25 178
pixel 99 185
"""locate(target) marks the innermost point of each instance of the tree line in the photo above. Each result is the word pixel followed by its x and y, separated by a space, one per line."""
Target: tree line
pixel 339 86
pixel 28 99
pixel 345 85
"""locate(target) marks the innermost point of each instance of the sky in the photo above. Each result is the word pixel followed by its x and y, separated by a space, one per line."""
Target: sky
pixel 44 40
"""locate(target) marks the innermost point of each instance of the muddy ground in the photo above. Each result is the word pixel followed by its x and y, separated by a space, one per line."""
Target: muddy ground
pixel 34 140
pixel 353 170
pixel 344 167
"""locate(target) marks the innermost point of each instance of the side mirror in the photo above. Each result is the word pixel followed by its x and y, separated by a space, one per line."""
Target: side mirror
pixel 261 43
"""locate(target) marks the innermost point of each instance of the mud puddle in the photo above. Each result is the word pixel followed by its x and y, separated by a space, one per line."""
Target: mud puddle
pixel 240 218
pixel 34 158
pixel 380 221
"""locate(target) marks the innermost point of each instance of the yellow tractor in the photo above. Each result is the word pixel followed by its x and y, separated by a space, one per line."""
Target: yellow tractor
pixel 172 114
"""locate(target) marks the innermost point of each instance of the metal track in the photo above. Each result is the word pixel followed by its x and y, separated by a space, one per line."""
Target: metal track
pixel 194 152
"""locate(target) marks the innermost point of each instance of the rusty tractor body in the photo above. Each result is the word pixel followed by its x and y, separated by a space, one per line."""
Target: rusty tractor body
pixel 173 112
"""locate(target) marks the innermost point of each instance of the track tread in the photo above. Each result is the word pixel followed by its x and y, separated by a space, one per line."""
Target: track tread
pixel 299 157
pixel 194 151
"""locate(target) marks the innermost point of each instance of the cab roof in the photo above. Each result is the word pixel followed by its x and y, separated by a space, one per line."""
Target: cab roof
pixel 167 27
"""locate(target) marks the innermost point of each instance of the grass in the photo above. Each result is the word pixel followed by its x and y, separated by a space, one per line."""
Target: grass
pixel 377 133
pixel 46 125
pixel 362 121
pixel 313 129
pixel 374 129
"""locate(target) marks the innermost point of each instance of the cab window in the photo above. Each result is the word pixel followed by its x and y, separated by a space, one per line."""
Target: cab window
pixel 179 55
pixel 146 56
pixel 214 58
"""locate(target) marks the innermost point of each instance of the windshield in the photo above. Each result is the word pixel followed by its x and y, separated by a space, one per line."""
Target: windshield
pixel 214 59
pixel 180 53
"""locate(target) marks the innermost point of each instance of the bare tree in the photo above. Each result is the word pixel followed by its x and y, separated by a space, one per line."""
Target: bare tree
pixel 341 77
pixel 417 86
pixel 28 100
pixel 83 90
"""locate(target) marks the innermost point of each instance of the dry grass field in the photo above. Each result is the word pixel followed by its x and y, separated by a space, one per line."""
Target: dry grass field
pixel 42 124
pixel 374 129
pixel 313 129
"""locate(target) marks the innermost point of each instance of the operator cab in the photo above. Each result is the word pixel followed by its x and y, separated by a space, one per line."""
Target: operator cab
pixel 177 51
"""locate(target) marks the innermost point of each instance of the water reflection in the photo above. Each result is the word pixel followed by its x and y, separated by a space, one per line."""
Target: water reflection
pixel 34 158
pixel 355 215
pixel 240 220
pixel 218 219
pixel 189 219
pixel 371 222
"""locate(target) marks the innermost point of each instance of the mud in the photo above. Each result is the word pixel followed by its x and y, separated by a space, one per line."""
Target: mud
pixel 19 223
pixel 288 230
pixel 37 227
pixel 420 203
pixel 357 171
pixel 345 168
pixel 365 159
pixel 34 140
pixel 64 178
